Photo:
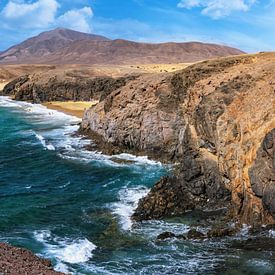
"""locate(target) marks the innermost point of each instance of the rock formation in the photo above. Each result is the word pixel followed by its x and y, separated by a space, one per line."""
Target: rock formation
pixel 53 86
pixel 19 261
pixel 216 120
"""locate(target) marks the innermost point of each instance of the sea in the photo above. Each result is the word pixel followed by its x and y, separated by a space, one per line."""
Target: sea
pixel 74 206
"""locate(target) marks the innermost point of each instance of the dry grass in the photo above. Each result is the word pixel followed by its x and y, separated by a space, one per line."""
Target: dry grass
pixel 75 108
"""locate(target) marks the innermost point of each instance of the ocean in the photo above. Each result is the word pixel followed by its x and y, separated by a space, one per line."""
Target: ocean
pixel 73 206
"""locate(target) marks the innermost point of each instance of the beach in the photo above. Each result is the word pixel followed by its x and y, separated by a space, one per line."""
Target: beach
pixel 2 85
pixel 76 108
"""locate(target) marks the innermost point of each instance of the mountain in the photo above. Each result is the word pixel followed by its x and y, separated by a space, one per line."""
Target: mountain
pixel 64 46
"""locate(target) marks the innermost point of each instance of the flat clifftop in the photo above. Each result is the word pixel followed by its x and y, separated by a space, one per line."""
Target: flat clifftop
pixel 215 119
pixel 18 261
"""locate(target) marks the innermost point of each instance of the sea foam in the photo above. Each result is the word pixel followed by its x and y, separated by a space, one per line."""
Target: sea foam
pixel 66 250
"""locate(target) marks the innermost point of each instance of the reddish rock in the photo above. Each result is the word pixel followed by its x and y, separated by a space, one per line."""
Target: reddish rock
pixel 19 261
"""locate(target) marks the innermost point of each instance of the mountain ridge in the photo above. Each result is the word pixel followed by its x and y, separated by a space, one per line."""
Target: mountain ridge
pixel 64 46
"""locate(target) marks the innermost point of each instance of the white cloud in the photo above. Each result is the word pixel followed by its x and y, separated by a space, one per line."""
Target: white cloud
pixel 217 8
pixel 25 15
pixel 42 14
pixel 76 19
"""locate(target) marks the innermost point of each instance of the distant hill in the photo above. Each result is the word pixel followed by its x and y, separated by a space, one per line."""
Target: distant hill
pixel 64 46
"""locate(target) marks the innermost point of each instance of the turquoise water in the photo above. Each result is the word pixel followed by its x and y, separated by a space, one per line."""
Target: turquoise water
pixel 74 206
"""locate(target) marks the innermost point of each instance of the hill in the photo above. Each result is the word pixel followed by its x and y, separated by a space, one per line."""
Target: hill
pixel 64 46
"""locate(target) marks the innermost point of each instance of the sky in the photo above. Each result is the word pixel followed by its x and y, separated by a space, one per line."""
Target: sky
pixel 245 24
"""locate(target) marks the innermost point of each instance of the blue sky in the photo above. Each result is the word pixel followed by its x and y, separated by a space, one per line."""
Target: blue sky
pixel 245 24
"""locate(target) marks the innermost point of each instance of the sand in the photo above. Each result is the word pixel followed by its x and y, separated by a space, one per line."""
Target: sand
pixel 2 85
pixel 75 108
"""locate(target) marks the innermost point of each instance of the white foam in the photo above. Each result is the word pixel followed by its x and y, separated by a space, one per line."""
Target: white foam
pixel 79 251
pixel 55 131
pixel 271 233
pixel 49 146
pixel 66 250
pixel 137 159
pixel 128 201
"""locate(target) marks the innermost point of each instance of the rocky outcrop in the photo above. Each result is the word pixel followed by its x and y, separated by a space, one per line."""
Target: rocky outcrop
pixel 210 119
pixel 18 261
pixel 262 173
pixel 48 86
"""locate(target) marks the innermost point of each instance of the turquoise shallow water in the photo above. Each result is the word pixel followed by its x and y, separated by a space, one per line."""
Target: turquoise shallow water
pixel 74 206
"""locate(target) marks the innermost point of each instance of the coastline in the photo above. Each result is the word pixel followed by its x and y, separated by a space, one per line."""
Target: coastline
pixel 76 108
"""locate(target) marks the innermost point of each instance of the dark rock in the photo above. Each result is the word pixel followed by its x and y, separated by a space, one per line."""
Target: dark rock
pixel 46 87
pixel 221 232
pixel 166 235
pixel 256 244
pixel 194 234
pixel 262 173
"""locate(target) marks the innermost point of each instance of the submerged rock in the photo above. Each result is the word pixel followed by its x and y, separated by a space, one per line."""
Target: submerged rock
pixel 166 235
pixel 195 234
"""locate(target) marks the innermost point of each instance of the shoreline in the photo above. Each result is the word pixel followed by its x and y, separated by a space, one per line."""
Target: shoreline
pixel 73 108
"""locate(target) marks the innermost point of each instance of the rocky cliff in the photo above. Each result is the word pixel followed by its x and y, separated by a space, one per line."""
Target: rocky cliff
pixel 215 119
pixel 56 86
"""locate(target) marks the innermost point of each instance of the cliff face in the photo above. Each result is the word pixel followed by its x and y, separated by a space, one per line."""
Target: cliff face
pixel 50 86
pixel 216 120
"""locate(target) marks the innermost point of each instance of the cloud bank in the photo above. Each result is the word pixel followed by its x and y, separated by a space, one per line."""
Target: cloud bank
pixel 218 8
pixel 43 14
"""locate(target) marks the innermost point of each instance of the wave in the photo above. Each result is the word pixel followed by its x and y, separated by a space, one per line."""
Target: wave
pixel 128 201
pixel 49 147
pixel 66 250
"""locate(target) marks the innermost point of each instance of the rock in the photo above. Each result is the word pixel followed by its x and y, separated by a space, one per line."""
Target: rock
pixel 19 261
pixel 220 232
pixel 54 86
pixel 215 119
pixel 256 244
pixel 194 234
pixel 262 173
pixel 166 235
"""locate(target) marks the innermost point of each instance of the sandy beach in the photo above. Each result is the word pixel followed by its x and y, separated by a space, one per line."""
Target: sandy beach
pixel 75 108
pixel 2 85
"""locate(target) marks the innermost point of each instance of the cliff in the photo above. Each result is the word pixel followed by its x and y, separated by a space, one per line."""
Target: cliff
pixel 215 119
pixel 62 86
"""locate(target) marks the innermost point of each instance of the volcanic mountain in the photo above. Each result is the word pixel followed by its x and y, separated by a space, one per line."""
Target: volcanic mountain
pixel 64 46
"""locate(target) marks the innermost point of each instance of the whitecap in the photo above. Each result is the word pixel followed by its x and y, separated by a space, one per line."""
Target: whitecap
pixel 78 251
pixel 42 140
pixel 128 201
pixel 66 250
pixel 137 159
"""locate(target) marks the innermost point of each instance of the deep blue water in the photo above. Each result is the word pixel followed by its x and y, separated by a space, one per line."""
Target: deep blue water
pixel 73 206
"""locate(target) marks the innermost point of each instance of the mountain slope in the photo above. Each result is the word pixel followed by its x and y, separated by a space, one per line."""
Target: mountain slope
pixel 63 46
pixel 45 44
